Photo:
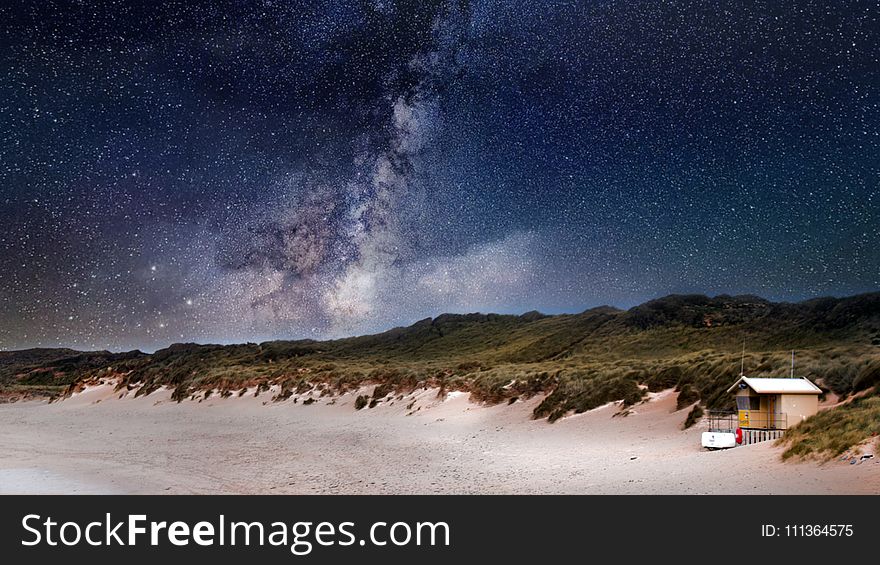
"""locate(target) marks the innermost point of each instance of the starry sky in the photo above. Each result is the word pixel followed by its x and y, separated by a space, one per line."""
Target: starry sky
pixel 251 170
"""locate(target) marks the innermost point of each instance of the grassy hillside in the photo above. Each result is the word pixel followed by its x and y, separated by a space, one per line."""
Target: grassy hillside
pixel 51 372
pixel 579 361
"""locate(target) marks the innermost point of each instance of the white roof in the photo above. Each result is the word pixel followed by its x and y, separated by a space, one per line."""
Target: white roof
pixel 797 385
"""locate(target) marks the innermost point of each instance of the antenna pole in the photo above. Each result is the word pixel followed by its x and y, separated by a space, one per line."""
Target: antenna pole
pixel 742 361
pixel 792 363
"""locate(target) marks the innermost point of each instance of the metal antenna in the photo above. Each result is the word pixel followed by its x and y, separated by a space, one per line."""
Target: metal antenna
pixel 742 361
pixel 792 363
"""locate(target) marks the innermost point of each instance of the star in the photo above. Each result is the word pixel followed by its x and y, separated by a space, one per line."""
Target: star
pixel 256 174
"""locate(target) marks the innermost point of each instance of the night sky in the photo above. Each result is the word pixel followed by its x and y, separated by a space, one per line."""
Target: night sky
pixel 243 171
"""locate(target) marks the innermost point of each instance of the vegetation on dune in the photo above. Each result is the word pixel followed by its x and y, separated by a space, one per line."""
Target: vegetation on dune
pixel 578 361
pixel 52 372
pixel 578 392
pixel 832 432
pixel 693 417
pixel 686 396
pixel 361 401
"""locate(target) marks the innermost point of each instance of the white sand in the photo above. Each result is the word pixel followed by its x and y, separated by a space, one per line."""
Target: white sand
pixel 97 443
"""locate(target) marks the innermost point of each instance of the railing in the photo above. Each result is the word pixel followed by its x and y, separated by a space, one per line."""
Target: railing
pixel 728 421
pixel 722 421
pixel 761 426
pixel 753 435
pixel 763 421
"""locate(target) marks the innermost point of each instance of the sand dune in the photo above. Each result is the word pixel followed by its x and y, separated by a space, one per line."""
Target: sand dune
pixel 95 442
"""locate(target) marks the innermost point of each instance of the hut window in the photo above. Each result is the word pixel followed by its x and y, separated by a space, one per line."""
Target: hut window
pixel 748 402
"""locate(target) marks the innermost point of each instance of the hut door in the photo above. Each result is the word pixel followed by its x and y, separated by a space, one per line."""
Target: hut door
pixel 771 411
pixel 743 406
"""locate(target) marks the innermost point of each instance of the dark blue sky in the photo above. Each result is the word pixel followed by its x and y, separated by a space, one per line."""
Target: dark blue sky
pixel 239 171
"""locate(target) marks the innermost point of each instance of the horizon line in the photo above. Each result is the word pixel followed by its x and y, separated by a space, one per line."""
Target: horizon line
pixel 150 351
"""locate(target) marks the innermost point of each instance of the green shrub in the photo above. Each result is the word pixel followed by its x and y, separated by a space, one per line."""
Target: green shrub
pixel 578 393
pixel 867 377
pixel 180 392
pixel 383 390
pixel 693 417
pixel 686 396
pixel 261 387
pixel 665 378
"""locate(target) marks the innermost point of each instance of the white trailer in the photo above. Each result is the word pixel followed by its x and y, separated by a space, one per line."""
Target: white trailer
pixel 723 431
pixel 719 440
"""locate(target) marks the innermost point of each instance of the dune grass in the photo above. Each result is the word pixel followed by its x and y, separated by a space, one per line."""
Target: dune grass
pixel 832 432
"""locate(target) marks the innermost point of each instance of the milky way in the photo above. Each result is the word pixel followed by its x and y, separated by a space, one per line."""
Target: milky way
pixel 242 171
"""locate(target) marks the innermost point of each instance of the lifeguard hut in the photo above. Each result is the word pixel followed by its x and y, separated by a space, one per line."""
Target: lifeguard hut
pixel 774 403
pixel 765 408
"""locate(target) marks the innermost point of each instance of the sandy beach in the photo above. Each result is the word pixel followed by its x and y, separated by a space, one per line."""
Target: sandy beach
pixel 95 442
